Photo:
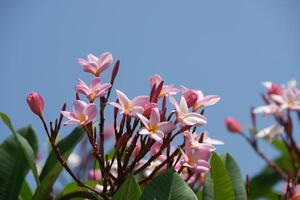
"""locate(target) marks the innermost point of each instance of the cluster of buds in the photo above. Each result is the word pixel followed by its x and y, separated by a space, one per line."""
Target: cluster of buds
pixel 143 130
pixel 282 103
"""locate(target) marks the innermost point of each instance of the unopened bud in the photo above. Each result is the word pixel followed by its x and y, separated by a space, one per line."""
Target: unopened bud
pixel 190 98
pixel 36 103
pixel 233 125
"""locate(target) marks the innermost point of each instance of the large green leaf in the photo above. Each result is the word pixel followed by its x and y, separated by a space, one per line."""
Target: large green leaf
pixel 80 195
pixel 223 189
pixel 13 165
pixel 236 178
pixel 168 185
pixel 208 189
pixel 25 192
pixel 25 146
pixel 128 190
pixel 53 167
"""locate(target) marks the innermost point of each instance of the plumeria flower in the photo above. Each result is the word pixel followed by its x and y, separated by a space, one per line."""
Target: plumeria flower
pixel 95 90
pixel 196 159
pixel 271 132
pixel 166 89
pixel 273 88
pixel 130 107
pixel 153 127
pixel 74 160
pixel 202 101
pixel 82 114
pixel 290 97
pixel 194 140
pixel 95 65
pixel 183 114
pixel 271 109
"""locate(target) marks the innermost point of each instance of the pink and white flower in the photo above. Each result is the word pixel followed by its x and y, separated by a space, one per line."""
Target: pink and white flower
pixel 82 114
pixel 273 88
pixel 202 101
pixel 271 132
pixel 153 127
pixel 166 89
pixel 95 65
pixel 196 159
pixel 184 116
pixel 130 107
pixel 95 90
pixel 271 109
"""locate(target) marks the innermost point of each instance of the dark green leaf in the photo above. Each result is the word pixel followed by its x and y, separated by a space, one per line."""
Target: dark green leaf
pixel 80 195
pixel 168 185
pixel 26 148
pixel 236 178
pixel 13 165
pixel 73 187
pixel 53 167
pixel 223 189
pixel 208 189
pixel 128 190
pixel 26 192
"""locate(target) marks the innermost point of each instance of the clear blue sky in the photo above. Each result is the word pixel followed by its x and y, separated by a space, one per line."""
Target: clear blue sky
pixel 222 47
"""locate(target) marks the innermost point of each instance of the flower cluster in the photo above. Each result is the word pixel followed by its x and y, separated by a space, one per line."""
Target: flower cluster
pixel 143 129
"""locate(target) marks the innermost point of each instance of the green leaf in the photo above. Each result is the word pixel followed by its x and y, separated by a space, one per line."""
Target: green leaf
pixel 13 165
pixel 236 178
pixel 80 195
pixel 26 148
pixel 53 167
pixel 26 192
pixel 128 190
pixel 280 146
pixel 199 195
pixel 208 189
pixel 223 189
pixel 168 185
pixel 73 187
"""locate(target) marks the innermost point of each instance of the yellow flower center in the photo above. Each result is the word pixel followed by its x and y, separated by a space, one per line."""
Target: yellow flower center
pixel 152 128
pixel 291 102
pixel 81 117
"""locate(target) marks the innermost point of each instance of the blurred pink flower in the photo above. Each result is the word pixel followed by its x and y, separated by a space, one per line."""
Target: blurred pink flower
pixel 148 107
pixel 155 148
pixel 154 127
pixel 271 132
pixel 108 132
pixel 36 103
pixel 95 90
pixel 271 109
pixel 232 125
pixel 273 88
pixel 82 114
pixel 94 174
pixel 166 89
pixel 95 65
pixel 183 115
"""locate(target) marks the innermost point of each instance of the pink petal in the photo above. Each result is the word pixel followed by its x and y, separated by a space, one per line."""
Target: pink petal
pixel 116 105
pixel 68 115
pixel 95 82
pixel 92 58
pixel 166 127
pixel 105 60
pixel 144 120
pixel 158 135
pixel 123 99
pixel 211 100
pixel 154 118
pixel 183 105
pixel 140 101
pixel 82 62
pixel 91 112
pixel 79 107
pixel 144 131
pixel 71 122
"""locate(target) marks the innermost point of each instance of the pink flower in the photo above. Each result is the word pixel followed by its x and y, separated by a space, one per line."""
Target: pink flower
pixel 82 114
pixel 290 98
pixel 148 107
pixel 95 90
pixel 96 65
pixel 194 140
pixel 271 109
pixel 196 159
pixel 154 127
pixel 166 89
pixel 130 107
pixel 108 132
pixel 156 147
pixel 233 125
pixel 270 132
pixel 201 100
pixel 183 115
pixel 36 103
pixel 94 174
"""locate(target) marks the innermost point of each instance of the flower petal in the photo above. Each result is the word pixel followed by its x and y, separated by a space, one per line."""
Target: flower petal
pixel 154 118
pixel 123 99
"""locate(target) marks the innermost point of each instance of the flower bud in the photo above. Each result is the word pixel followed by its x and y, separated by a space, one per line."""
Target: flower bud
pixel 274 89
pixel 233 125
pixel 190 98
pixel 36 103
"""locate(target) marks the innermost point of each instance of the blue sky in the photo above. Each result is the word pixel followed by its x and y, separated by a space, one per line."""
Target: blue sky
pixel 222 47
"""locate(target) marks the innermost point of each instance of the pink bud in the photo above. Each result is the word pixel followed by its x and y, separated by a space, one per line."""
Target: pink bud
pixel 190 97
pixel 274 89
pixel 36 103
pixel 233 125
